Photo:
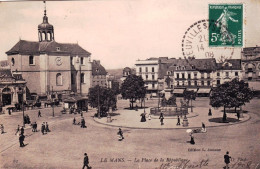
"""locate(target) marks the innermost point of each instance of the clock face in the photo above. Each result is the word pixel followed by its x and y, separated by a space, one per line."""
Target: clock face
pixel 58 61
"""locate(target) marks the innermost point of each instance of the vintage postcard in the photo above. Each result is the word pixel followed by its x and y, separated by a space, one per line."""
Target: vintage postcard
pixel 130 84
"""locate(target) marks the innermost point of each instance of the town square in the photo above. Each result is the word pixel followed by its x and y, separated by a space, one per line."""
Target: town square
pixel 125 84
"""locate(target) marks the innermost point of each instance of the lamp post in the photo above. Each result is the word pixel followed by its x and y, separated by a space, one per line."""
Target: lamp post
pixel 52 102
pixel 98 102
pixel 23 107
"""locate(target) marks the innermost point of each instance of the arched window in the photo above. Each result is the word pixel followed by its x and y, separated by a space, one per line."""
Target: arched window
pixel 31 60
pixel 13 62
pixel 58 79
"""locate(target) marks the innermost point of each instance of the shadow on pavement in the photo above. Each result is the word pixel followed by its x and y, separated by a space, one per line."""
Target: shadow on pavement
pixel 219 120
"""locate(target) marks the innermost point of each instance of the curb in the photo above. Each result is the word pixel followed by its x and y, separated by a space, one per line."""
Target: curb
pixel 224 124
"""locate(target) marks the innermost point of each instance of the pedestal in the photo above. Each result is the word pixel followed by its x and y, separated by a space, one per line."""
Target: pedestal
pixel 168 93
pixel 185 122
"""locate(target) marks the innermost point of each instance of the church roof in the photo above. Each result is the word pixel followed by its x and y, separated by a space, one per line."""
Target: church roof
pixel 53 47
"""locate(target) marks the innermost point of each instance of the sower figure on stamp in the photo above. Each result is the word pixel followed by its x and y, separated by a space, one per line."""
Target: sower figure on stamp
pixel 227 160
pixel 86 162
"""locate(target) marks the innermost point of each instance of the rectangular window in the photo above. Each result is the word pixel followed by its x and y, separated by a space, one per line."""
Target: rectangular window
pixel 178 83
pixel 31 60
pixel 189 83
pixel 202 83
pixel 183 83
pixel 208 83
pixel 218 82
pixel 82 60
pixel 195 83
pixel 152 69
pixel 178 76
pixel 227 74
pixel 153 77
pixel 189 76
pixel 208 75
pixel 249 78
pixel 183 75
pixel 236 73
pixel 146 69
pixel 146 77
pixel 140 69
pixel 218 74
pixel 202 75
pixel 153 85
pixel 195 75
pixel 82 78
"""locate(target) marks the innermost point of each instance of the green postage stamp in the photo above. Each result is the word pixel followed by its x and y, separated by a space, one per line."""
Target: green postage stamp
pixel 228 21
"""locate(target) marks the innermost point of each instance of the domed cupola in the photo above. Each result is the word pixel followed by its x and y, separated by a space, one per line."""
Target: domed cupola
pixel 45 30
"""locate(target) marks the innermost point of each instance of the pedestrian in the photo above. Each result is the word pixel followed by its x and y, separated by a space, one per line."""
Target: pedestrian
pixel 149 116
pixel 35 127
pixel 203 127
pixel 47 127
pixel 192 139
pixel 17 130
pixel 143 119
pixel 238 115
pixel 86 161
pixel 120 133
pixel 74 121
pixel 83 123
pixel 9 111
pixel 22 130
pixel 227 159
pixel 161 118
pixel 2 129
pixel 21 140
pixel 39 114
pixel 210 113
pixel 43 129
pixel 178 121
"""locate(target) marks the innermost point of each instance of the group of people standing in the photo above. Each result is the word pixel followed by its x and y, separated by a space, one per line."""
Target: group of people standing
pixel 45 128
pixel 82 123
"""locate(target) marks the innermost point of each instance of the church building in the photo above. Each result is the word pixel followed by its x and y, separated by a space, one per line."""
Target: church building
pixel 49 66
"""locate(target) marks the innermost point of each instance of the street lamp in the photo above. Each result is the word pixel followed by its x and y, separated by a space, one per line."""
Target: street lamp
pixel 98 102
pixel 23 106
pixel 52 103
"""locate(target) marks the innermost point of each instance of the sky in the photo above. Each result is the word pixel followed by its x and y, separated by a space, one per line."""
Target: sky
pixel 118 32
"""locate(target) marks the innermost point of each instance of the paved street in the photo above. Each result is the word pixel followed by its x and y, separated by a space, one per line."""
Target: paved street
pixel 65 145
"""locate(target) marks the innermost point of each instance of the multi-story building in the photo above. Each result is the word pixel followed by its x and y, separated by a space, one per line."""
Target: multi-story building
pixel 99 74
pixel 251 67
pixel 149 71
pixel 12 86
pixel 227 71
pixel 49 66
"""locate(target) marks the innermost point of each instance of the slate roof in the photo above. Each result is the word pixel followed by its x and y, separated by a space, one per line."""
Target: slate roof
pixel 36 48
pixel 98 69
pixel 7 76
pixel 230 64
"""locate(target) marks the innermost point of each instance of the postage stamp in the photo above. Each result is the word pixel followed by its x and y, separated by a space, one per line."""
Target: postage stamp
pixel 229 23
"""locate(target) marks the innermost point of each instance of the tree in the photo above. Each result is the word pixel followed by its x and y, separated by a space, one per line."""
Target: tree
pixel 234 93
pixel 133 89
pixel 103 97
pixel 189 95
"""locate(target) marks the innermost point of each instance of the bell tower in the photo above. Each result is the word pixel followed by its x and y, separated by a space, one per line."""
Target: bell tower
pixel 45 30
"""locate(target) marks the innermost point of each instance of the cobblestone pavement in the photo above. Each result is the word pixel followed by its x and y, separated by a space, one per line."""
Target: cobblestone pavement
pixel 65 145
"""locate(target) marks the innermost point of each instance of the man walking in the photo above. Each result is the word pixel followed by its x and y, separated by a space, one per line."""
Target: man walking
pixel 21 139
pixel 85 162
pixel 39 114
pixel 161 118
pixel 43 129
pixel 47 127
pixel 227 160
pixel 178 121
pixel 22 131
pixel 238 115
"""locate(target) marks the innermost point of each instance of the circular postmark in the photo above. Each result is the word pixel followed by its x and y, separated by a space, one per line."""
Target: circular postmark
pixel 195 42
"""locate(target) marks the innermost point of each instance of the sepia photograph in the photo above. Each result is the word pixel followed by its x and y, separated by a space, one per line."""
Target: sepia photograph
pixel 130 84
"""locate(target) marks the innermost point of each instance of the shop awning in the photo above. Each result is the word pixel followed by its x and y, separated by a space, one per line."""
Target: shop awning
pixel 180 91
pixel 192 89
pixel 203 91
pixel 74 99
pixel 255 86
